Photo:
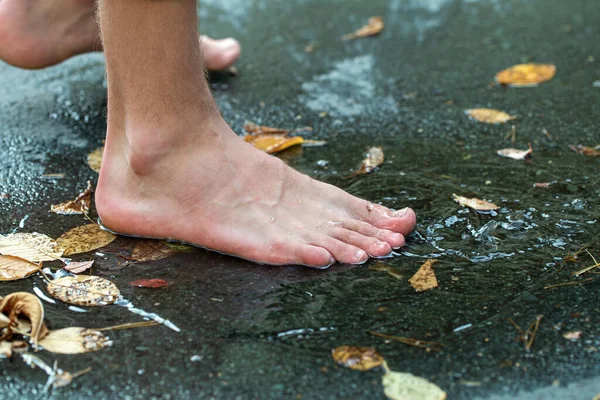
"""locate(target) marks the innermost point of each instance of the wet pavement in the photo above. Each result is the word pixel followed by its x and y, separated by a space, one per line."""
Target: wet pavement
pixel 253 332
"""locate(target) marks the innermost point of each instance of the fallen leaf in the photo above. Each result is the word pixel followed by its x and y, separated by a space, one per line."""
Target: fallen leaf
pixel 78 267
pixel 526 74
pixel 424 279
pixel 359 358
pixel 373 159
pixel 81 204
pixel 379 266
pixel 149 283
pixel 273 143
pixel 180 247
pixel 32 247
pixel 94 159
pixel 56 376
pixel 83 239
pixel 541 184
pixel 572 336
pixel 373 27
pixel 257 130
pixel 74 341
pixel 313 143
pixel 19 305
pixel 405 386
pixel 516 154
pixel 151 250
pixel 5 349
pixel 13 268
pixel 586 151
pixel 84 290
pixel 489 115
pixel 475 204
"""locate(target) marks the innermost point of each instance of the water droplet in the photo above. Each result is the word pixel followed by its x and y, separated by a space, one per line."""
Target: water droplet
pixel 299 201
pixel 289 232
pixel 272 220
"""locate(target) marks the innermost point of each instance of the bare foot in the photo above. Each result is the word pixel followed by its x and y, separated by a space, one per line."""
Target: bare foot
pixel 213 189
pixel 37 34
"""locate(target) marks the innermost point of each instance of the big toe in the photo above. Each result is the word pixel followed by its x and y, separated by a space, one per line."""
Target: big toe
pixel 220 54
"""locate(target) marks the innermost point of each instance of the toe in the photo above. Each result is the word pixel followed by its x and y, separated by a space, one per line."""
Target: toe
pixel 400 221
pixel 394 239
pixel 314 256
pixel 374 247
pixel 219 54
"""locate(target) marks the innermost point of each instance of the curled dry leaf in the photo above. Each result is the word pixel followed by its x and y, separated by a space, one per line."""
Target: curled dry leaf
pixel 405 386
pixel 424 279
pixel 74 341
pixel 78 267
pixel 586 151
pixel 32 247
pixel 151 250
pixel 374 157
pixel 516 154
pixel 26 313
pixel 94 159
pixel 526 74
pixel 84 290
pixel 489 115
pixel 360 358
pixel 83 239
pixel 81 204
pixel 475 204
pixel 273 143
pixel 154 283
pixel 13 268
pixel 373 27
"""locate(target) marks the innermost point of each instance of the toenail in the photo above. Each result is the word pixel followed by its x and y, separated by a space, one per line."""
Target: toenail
pixel 228 44
pixel 396 235
pixel 360 254
pixel 401 213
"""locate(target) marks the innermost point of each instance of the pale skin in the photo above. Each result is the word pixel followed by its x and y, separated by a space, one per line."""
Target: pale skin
pixel 173 168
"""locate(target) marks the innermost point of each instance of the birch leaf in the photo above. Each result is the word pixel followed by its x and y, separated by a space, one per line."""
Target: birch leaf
pixel 489 115
pixel 74 341
pixel 405 386
pixel 373 27
pixel 516 154
pixel 475 204
pixel 530 74
pixel 94 159
pixel 78 267
pixel 84 290
pixel 83 239
pixel 424 279
pixel 151 250
pixel 23 305
pixel 273 143
pixel 359 358
pixel 32 247
pixel 81 204
pixel 13 268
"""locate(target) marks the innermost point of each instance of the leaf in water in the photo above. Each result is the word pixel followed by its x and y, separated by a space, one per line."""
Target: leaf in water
pixel 273 143
pixel 373 27
pixel 32 247
pixel 379 266
pixel 258 130
pixel 83 239
pixel 360 358
pixel 81 204
pixel 151 250
pixel 373 159
pixel 94 159
pixel 541 184
pixel 84 290
pixel 424 279
pixel 516 154
pixel 150 283
pixel 78 267
pixel 180 247
pixel 405 386
pixel 526 74
pixel 475 204
pixel 489 115
pixel 586 151
pixel 19 305
pixel 13 268
pixel 74 341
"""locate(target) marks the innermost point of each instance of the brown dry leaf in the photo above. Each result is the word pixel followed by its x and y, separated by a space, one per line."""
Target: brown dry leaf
pixel 273 143
pixel 516 154
pixel 475 204
pixel 405 386
pixel 489 115
pixel 78 267
pixel 373 159
pixel 74 341
pixel 83 239
pixel 84 290
pixel 526 74
pixel 151 250
pixel 586 151
pixel 373 27
pixel 424 279
pixel 22 305
pixel 359 358
pixel 81 204
pixel 13 268
pixel 32 247
pixel 258 130
pixel 572 336
pixel 94 159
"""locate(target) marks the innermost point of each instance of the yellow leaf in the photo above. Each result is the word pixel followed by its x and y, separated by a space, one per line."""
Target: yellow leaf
pixel 424 279
pixel 379 266
pixel 516 154
pixel 83 239
pixel 94 159
pixel 405 386
pixel 84 290
pixel 475 204
pixel 373 159
pixel 74 341
pixel 20 305
pixel 32 247
pixel 273 143
pixel 360 358
pixel 151 250
pixel 13 268
pixel 489 115
pixel 526 74
pixel 258 130
pixel 373 27
pixel 81 204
